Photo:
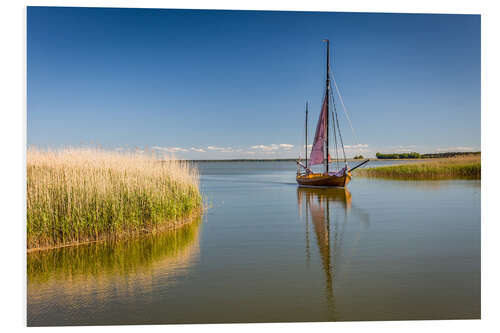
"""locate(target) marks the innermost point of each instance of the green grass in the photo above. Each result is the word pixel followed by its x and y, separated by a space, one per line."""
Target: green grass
pixel 81 195
pixel 461 168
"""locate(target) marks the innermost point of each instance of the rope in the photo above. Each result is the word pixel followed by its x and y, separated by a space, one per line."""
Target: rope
pixel 336 120
pixel 335 134
pixel 334 128
pixel 324 146
pixel 340 134
pixel 356 141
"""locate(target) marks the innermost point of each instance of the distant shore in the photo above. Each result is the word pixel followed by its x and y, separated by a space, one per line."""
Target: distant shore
pixel 380 157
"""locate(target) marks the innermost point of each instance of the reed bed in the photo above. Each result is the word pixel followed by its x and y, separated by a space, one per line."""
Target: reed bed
pixel 79 195
pixel 468 167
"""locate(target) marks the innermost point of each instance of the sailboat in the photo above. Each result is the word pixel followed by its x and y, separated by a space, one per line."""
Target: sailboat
pixel 320 153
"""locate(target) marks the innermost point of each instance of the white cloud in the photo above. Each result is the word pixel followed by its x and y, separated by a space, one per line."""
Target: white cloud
pixel 358 146
pixel 273 147
pixel 169 149
pixel 221 149
pixel 198 150
pixel 286 146
pixel 404 149
pixel 453 149
pixel 260 147
pixel 361 148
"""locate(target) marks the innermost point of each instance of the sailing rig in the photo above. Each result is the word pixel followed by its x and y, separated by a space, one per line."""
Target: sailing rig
pixel 320 152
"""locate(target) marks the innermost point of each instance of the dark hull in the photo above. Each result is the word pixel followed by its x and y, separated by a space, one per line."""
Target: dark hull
pixel 323 180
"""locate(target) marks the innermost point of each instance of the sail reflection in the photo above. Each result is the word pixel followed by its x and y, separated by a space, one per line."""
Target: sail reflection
pixel 73 276
pixel 328 210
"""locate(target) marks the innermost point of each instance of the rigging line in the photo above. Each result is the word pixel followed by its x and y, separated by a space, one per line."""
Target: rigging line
pixel 338 127
pixel 356 141
pixel 333 122
pixel 335 135
pixel 327 152
pixel 340 136
pixel 300 150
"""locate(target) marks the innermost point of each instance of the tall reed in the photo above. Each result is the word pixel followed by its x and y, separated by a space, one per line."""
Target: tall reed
pixel 77 195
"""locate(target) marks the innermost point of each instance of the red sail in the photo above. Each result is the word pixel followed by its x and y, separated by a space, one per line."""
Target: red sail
pixel 317 152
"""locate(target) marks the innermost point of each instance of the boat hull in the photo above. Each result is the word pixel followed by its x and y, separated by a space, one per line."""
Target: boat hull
pixel 323 180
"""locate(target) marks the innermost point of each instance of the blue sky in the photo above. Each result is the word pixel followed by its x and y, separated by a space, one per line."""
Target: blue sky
pixel 233 84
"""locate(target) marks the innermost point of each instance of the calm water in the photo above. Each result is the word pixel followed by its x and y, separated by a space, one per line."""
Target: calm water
pixel 268 251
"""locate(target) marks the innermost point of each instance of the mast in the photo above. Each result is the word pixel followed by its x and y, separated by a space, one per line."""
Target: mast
pixel 327 101
pixel 306 133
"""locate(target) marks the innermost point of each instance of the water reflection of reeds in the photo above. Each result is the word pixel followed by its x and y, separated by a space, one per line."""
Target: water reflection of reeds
pixel 71 275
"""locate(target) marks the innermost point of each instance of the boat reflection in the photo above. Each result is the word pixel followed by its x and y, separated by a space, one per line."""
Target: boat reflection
pixel 82 275
pixel 328 209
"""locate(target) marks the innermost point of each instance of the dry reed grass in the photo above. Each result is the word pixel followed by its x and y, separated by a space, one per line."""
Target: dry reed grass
pixel 465 167
pixel 77 195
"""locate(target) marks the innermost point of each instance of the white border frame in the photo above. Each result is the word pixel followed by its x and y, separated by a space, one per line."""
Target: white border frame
pixel 13 175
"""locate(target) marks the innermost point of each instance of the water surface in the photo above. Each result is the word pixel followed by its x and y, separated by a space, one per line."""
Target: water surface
pixel 268 251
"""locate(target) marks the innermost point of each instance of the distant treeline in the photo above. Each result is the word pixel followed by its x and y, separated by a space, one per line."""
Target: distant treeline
pixel 417 155
pixel 397 156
